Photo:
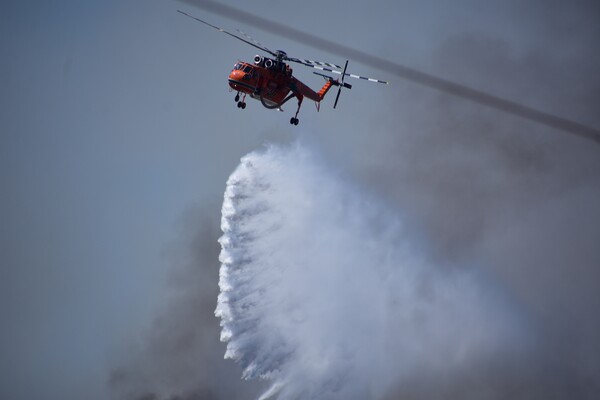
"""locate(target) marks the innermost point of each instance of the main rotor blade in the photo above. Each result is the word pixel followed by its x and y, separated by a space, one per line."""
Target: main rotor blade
pixel 333 71
pixel 401 71
pixel 260 47
pixel 256 42
pixel 311 63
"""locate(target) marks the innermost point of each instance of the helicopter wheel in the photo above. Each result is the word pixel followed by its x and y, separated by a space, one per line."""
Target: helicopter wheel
pixel 294 121
pixel 243 106
pixel 239 104
pixel 237 97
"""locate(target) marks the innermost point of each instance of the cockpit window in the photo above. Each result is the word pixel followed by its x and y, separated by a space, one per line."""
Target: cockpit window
pixel 247 68
pixel 237 66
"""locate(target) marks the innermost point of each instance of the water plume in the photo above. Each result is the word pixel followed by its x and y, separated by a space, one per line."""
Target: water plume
pixel 326 294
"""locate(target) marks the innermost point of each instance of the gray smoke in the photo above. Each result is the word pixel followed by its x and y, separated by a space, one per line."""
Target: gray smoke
pixel 180 358
pixel 462 91
pixel 485 192
pixel 512 199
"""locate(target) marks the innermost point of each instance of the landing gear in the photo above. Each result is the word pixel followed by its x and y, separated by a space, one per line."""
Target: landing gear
pixel 294 119
pixel 241 103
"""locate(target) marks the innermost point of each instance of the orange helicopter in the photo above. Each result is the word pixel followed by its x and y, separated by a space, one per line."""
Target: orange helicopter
pixel 270 80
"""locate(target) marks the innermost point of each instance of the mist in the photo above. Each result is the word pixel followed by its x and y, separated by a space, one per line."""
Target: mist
pixel 328 295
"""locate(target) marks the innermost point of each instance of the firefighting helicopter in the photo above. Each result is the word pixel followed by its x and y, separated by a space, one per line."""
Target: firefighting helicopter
pixel 270 80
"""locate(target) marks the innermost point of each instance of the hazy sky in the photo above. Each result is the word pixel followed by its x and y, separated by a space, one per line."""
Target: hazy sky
pixel 118 133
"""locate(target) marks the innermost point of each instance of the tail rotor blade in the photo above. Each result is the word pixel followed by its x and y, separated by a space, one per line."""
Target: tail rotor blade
pixel 337 97
pixel 344 72
pixel 341 85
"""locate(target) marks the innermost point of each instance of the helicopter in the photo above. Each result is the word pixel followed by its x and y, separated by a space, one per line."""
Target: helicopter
pixel 270 80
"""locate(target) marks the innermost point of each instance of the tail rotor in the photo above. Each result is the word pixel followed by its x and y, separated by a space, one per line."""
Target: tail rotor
pixel 342 84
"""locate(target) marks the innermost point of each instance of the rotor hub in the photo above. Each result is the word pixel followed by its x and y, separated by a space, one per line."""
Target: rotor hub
pixel 281 55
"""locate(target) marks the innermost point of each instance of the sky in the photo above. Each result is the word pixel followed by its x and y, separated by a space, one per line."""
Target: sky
pixel 118 133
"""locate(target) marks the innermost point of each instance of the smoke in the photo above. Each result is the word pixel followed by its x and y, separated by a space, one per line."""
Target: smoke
pixel 384 64
pixel 180 358
pixel 511 199
pixel 329 295
pixel 496 216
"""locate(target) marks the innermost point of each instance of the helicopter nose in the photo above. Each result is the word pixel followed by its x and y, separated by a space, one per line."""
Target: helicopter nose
pixel 237 75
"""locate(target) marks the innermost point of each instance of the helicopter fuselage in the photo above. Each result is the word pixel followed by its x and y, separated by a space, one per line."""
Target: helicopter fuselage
pixel 271 82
